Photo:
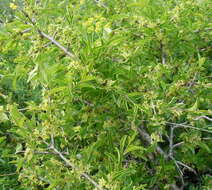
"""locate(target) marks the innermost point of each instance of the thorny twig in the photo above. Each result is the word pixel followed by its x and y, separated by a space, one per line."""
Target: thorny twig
pixel 163 54
pixel 101 4
pixel 42 152
pixel 171 137
pixel 203 116
pixel 50 38
pixel 175 187
pixel 147 138
pixel 57 44
pixel 186 166
pixel 192 83
pixel 68 163
pixel 170 155
pixel 177 144
pixel 10 174
pixel 177 125
pixel 49 43
pixel 144 135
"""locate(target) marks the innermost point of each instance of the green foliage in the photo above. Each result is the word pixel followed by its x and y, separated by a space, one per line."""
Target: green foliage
pixel 136 63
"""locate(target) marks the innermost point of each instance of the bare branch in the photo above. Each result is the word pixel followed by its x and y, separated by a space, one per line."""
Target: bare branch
pixel 163 54
pixel 57 44
pixel 101 4
pixel 25 31
pixel 68 163
pixel 10 174
pixel 147 138
pixel 175 187
pixel 203 116
pixel 177 125
pixel 179 169
pixel 52 141
pixel 186 166
pixel 171 136
pixel 202 30
pixel 49 43
pixel 65 50
pixel 177 144
pixel 207 138
pixel 43 152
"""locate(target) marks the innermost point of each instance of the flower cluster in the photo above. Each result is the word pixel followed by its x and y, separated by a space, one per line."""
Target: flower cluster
pixel 96 24
pixel 13 6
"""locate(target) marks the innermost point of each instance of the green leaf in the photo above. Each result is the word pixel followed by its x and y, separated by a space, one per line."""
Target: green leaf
pixel 18 148
pixel 17 117
pixel 139 3
pixel 3 117
pixel 2 139
pixel 133 148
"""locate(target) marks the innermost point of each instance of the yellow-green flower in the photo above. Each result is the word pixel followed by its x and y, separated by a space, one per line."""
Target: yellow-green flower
pixel 155 138
pixel 95 23
pixel 13 6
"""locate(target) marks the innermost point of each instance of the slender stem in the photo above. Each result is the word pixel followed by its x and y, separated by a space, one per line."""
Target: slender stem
pixel 163 54
pixel 171 141
pixel 42 152
pixel 68 163
pixel 2 175
pixel 205 117
pixel 57 44
pixel 177 144
pixel 147 138
pixel 186 166
pixel 188 126
pixel 50 38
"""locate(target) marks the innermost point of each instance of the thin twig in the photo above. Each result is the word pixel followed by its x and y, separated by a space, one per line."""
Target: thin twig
pixel 203 116
pixel 186 166
pixel 68 163
pixel 171 141
pixel 207 138
pixel 163 54
pixel 65 50
pixel 43 152
pixel 177 144
pixel 177 125
pixel 25 31
pixel 179 169
pixel 147 138
pixel 101 4
pixel 203 30
pixel 52 141
pixel 2 175
pixel 49 43
pixel 175 187
pixel 57 44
